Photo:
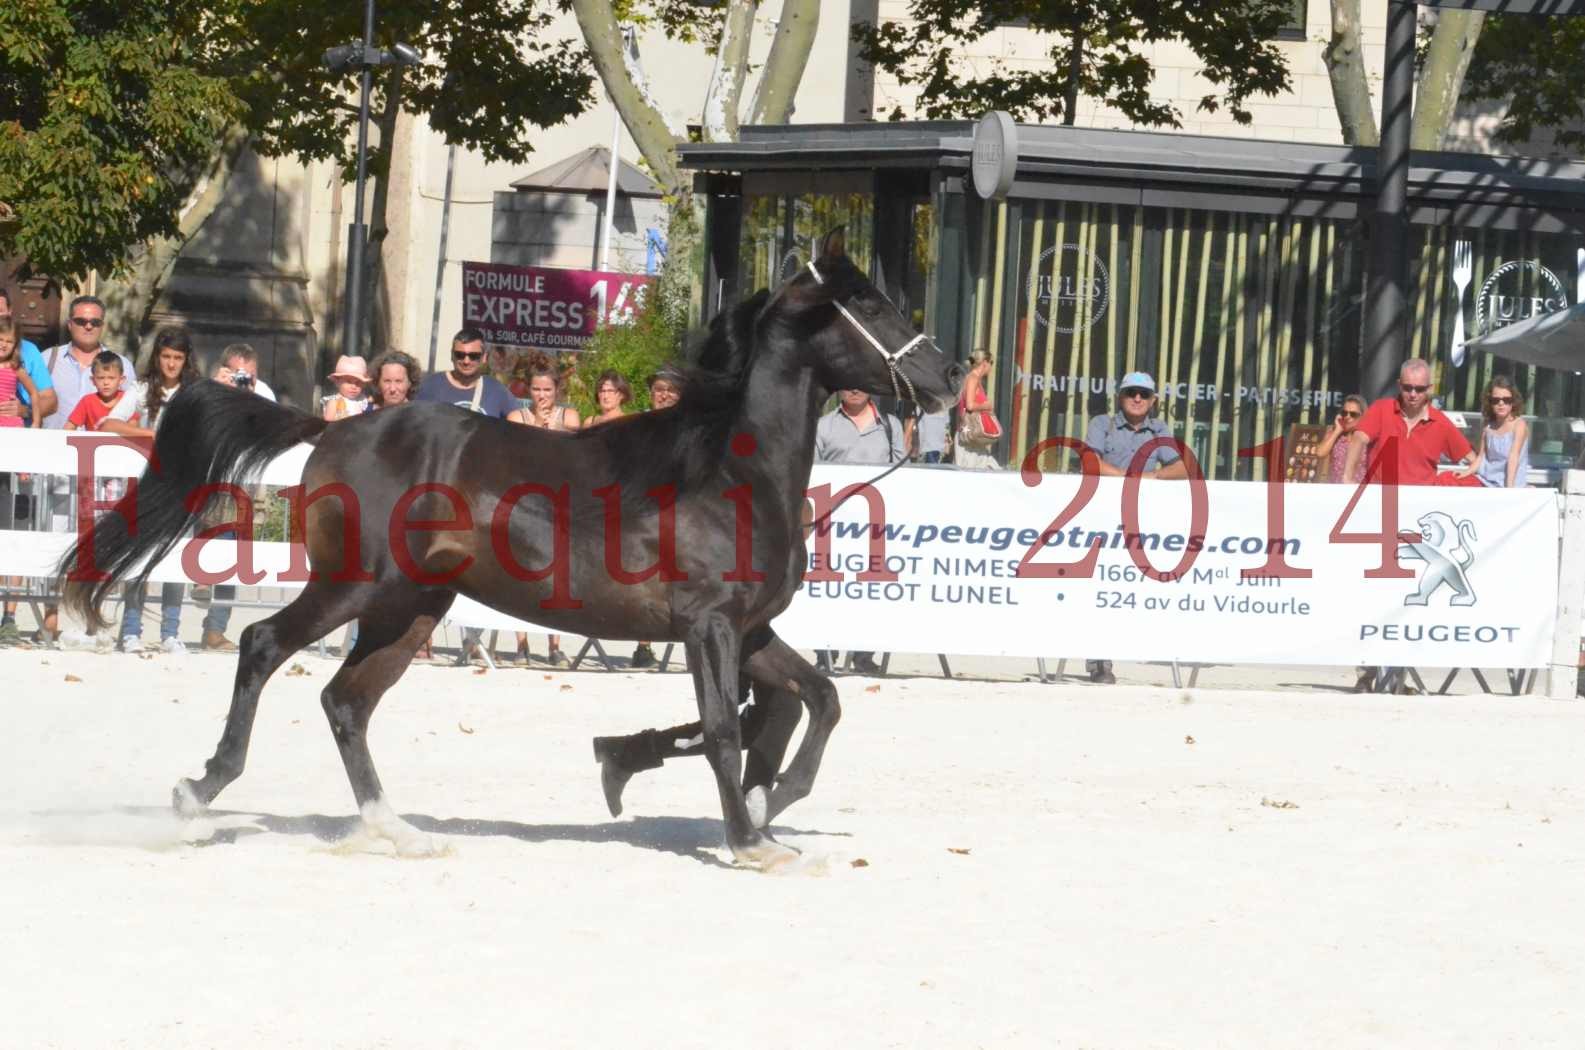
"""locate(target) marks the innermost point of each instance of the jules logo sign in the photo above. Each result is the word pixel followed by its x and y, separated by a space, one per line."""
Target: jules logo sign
pixel 1517 291
pixel 1070 288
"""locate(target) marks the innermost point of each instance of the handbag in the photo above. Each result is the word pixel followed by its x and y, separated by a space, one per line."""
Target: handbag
pixel 979 430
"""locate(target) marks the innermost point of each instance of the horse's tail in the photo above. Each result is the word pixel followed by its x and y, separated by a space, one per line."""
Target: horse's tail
pixel 209 434
pixel 1466 540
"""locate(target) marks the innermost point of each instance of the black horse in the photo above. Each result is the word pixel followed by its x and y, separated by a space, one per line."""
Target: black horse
pixel 679 525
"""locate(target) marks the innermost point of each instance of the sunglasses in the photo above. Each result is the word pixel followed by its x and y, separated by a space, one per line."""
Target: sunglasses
pixel 467 355
pixel 1137 391
pixel 1350 415
pixel 1500 400
pixel 87 322
pixel 1410 388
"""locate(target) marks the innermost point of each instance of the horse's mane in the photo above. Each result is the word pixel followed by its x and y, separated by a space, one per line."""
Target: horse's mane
pixel 693 436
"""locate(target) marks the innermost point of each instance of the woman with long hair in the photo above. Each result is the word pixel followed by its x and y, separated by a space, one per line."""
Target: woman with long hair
pixel 1333 450
pixel 1502 460
pixel 169 367
pixel 543 408
pixel 975 398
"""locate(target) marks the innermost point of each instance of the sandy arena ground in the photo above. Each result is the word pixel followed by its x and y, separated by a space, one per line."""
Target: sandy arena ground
pixel 986 865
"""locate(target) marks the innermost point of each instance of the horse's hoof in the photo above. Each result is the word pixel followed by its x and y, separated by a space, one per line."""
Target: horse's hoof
pixel 381 821
pixel 758 801
pixel 766 855
pixel 184 800
pixel 418 846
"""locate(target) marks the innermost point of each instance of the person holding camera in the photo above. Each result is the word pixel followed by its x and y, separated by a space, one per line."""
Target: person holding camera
pixel 239 367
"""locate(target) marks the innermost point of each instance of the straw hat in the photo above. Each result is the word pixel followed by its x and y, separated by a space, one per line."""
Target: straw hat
pixel 351 366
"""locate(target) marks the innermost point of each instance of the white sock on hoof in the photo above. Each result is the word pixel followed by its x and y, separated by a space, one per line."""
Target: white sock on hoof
pixel 758 800
pixel 187 803
pixel 381 821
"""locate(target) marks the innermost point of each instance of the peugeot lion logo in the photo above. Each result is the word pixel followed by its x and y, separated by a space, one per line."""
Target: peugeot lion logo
pixel 1447 549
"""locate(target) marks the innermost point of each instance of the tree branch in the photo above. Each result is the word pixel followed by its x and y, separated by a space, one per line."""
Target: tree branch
pixel 731 65
pixel 1442 78
pixel 624 84
pixel 784 66
pixel 1346 67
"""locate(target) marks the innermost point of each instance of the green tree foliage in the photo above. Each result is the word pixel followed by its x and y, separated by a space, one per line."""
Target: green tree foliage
pixel 492 74
pixel 119 106
pixel 109 112
pixel 1534 64
pixel 634 351
pixel 1092 48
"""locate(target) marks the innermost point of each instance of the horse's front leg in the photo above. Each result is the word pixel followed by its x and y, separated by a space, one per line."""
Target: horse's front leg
pixel 713 657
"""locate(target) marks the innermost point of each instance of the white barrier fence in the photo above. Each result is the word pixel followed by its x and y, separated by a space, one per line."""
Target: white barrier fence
pixel 1148 571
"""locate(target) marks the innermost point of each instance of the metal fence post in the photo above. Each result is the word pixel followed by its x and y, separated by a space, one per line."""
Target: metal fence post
pixel 1563 670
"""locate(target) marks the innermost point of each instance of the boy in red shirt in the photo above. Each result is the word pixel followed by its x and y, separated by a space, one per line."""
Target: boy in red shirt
pixel 92 410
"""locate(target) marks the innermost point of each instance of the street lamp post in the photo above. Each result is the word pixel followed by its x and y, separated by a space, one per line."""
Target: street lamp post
pixel 367 58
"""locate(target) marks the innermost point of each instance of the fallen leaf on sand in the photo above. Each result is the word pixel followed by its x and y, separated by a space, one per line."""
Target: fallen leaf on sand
pixel 959 852
pixel 550 678
pixel 464 728
pixel 566 688
pixel 297 671
pixel 481 670
pixel 1188 740
pixel 73 678
pixel 1278 803
pixel 872 688
pixel 860 862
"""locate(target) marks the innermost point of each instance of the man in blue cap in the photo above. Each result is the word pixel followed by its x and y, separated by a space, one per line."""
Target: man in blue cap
pixel 1118 437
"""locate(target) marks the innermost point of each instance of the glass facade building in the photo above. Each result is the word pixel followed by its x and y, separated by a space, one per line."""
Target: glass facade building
pixel 1231 270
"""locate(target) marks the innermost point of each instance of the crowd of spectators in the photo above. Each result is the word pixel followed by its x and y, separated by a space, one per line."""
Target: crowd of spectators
pixel 83 384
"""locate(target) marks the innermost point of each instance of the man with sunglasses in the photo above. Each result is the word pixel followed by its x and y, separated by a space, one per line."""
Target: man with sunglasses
pixel 71 364
pixel 1118 438
pixel 466 385
pixel 71 369
pixel 1424 435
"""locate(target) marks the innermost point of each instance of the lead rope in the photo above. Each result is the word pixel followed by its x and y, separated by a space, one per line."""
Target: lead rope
pixel 896 375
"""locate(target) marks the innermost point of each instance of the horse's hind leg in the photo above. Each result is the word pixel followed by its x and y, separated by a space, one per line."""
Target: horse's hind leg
pixel 777 666
pixel 263 647
pixel 387 641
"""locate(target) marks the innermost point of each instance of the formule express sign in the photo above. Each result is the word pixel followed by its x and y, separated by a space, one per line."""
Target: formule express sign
pixel 546 307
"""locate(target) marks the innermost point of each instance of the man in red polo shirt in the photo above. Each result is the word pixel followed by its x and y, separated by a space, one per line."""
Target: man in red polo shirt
pixel 1424 435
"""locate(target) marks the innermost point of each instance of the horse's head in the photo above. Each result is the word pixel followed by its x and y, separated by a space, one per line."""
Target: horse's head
pixel 860 341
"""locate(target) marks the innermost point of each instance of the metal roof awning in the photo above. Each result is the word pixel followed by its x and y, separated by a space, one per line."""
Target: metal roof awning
pixel 587 172
pixel 1060 152
pixel 1554 340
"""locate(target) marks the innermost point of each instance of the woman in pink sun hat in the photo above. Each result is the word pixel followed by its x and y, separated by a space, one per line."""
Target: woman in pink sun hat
pixel 351 376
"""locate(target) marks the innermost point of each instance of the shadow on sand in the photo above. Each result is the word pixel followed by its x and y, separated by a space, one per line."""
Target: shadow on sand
pixel 697 838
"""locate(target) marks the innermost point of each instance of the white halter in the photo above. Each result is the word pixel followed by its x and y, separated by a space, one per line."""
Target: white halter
pixel 891 356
